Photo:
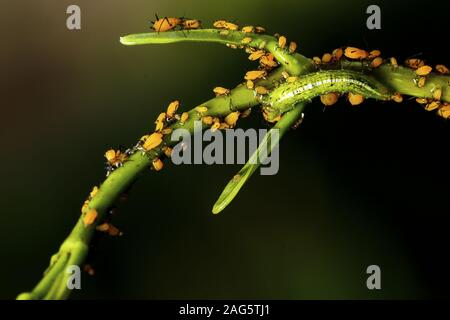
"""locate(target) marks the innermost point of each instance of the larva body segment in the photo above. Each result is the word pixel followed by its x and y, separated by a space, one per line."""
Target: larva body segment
pixel 319 83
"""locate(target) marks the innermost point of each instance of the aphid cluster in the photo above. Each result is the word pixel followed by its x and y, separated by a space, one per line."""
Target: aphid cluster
pixel 170 23
pixel 370 59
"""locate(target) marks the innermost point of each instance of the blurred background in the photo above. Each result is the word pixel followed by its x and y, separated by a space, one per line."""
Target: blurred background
pixel 356 186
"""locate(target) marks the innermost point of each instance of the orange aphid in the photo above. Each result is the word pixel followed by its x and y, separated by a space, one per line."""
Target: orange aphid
pixel 292 47
pixel 172 108
pixel 90 217
pixel 93 192
pixel 422 100
pixel 268 61
pixel 261 90
pixel 394 62
pixel 215 126
pixel 437 94
pixel 201 109
pixel 248 29
pixel 414 63
pixel 221 91
pixel 157 164
pixel 255 74
pixel 326 58
pixel 423 70
pixel 444 111
pixel 374 54
pixel 317 60
pixel 152 141
pixel 260 30
pixel 160 121
pixel 397 97
pixel 355 99
pixel 167 151
pixel 250 84
pixel 256 55
pixel 337 54
pixel 102 227
pixel 208 120
pixel 329 98
pixel 115 157
pixel 441 68
pixel 282 42
pixel 433 105
pixel 166 131
pixel 184 117
pixel 376 62
pixel 166 24
pixel 421 82
pixel 232 118
pixel 355 53
pixel 222 24
pixel 191 24
pixel 246 40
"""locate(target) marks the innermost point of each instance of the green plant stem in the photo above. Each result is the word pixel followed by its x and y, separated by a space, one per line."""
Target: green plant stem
pixel 295 64
pixel 271 140
pixel 74 249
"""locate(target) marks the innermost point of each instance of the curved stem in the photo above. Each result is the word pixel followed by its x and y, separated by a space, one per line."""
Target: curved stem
pixel 237 182
pixel 74 249
pixel 295 64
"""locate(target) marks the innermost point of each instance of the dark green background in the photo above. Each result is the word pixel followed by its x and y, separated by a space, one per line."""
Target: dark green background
pixel 356 186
